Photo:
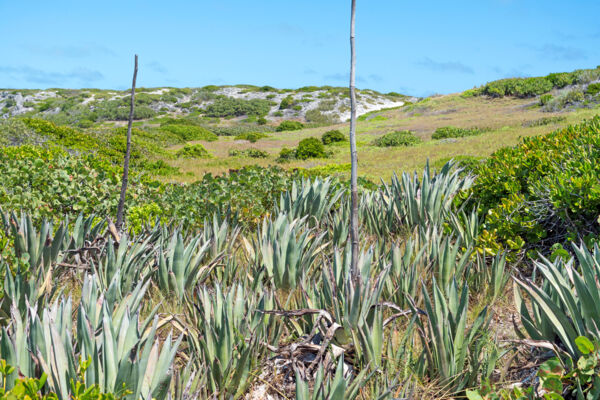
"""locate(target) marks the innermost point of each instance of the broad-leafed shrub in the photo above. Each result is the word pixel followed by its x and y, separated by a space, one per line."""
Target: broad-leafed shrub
pixel 310 148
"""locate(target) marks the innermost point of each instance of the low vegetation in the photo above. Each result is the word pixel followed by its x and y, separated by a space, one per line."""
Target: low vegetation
pixel 193 151
pixel 333 136
pixel 251 153
pixel 290 126
pixel 395 139
pixel 530 87
pixel 454 132
pixel 477 271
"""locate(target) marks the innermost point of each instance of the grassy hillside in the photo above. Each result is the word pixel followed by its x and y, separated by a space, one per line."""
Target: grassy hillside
pixel 478 277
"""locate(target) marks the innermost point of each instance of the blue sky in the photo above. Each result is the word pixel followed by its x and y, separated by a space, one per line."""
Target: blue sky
pixel 414 47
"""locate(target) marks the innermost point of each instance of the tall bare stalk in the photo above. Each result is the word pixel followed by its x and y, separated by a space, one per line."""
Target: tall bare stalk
pixel 127 151
pixel 353 156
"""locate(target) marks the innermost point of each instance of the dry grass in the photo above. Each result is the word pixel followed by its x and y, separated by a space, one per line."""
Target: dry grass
pixel 503 117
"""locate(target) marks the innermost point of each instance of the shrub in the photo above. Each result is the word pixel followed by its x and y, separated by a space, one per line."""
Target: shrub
pixel 252 137
pixel 193 151
pixel 519 87
pixel 561 79
pixel 13 132
pixel 393 139
pixel 286 154
pixel 573 97
pixel 190 132
pixel 290 126
pixel 286 102
pixel 310 148
pixel 333 136
pixel 62 135
pixel 545 99
pixel 278 114
pixel 453 132
pixel 251 153
pixel 261 121
pixel 593 89
pixel 544 190
pixel 230 107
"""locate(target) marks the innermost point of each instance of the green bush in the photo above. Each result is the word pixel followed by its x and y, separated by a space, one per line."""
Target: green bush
pixel 62 135
pixel 230 107
pixel 286 154
pixel 544 191
pixel 593 89
pixel 261 121
pixel 454 132
pixel 193 151
pixel 545 99
pixel 14 132
pixel 252 137
pixel 530 87
pixel 251 153
pixel 290 126
pixel 310 148
pixel 190 132
pixel 333 136
pixel 519 87
pixel 394 139
pixel 286 102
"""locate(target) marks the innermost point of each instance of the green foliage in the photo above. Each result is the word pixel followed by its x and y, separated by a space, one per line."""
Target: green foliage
pixel 593 89
pixel 286 154
pixel 394 139
pixel 189 132
pixel 545 99
pixel 530 87
pixel 468 164
pixel 14 132
pixel 518 87
pixel 286 102
pixel 230 107
pixel 545 121
pixel 310 148
pixel 333 137
pixel 252 137
pixel 454 132
pixel 290 126
pixel 62 135
pixel 544 190
pixel 563 306
pixel 193 151
pixel 48 182
pixel 251 153
pixel 558 379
